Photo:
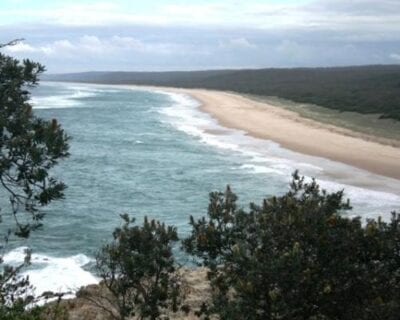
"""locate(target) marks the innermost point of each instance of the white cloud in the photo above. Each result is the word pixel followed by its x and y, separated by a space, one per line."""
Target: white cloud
pixel 57 47
pixel 20 48
pixel 241 43
pixel 88 45
pixel 82 14
pixel 64 44
pixel 128 43
pixel 357 15
pixel 91 44
pixel 222 33
pixel 395 56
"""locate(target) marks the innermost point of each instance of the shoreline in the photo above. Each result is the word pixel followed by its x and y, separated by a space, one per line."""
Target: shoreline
pixel 260 119
pixel 229 106
pixel 296 133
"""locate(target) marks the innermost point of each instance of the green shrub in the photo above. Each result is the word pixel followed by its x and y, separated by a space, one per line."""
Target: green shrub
pixel 29 148
pixel 138 272
pixel 297 257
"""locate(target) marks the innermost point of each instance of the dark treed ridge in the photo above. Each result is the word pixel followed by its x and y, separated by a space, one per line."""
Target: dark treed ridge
pixel 363 89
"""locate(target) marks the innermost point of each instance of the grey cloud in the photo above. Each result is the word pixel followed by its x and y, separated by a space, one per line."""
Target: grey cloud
pixel 395 56
pixel 142 47
pixel 358 7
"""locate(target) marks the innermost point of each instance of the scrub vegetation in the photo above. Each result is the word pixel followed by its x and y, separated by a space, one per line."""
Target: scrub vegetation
pixel 363 89
pixel 292 257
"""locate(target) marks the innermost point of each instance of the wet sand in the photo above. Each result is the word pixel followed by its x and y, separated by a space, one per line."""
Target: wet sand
pixel 263 120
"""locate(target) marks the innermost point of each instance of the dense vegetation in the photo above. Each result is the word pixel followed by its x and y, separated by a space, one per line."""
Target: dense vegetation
pixel 297 257
pixel 293 257
pixel 138 272
pixel 29 148
pixel 366 89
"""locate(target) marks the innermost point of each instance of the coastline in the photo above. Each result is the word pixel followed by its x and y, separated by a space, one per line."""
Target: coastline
pixel 292 131
pixel 371 190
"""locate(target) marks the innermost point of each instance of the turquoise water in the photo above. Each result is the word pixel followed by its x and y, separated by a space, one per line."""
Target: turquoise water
pixel 153 153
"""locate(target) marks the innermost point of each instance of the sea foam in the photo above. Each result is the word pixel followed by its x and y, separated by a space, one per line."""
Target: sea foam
pixel 252 155
pixel 59 275
pixel 267 157
pixel 71 99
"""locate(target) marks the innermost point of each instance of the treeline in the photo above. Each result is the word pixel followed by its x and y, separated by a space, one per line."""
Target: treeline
pixel 363 89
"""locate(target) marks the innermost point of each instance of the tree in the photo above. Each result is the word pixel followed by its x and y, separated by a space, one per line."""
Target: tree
pixel 297 257
pixel 29 148
pixel 138 272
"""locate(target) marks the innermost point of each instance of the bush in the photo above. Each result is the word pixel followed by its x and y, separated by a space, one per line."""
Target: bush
pixel 138 272
pixel 29 148
pixel 297 257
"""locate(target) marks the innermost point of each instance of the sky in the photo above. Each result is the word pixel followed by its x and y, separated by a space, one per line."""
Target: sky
pixel 161 35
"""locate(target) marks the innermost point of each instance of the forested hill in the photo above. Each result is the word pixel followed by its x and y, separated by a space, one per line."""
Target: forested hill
pixel 364 89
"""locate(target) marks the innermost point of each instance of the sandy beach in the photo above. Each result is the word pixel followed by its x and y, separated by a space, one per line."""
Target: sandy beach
pixel 262 120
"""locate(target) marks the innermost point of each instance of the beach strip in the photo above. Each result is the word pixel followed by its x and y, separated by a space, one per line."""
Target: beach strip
pixel 293 132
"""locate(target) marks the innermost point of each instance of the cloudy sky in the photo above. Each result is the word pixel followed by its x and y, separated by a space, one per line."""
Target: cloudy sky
pixel 84 35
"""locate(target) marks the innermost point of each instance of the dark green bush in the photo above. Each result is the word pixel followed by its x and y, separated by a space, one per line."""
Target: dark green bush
pixel 29 148
pixel 138 272
pixel 297 257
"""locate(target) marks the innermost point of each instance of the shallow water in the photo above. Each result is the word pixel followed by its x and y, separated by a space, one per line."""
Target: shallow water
pixel 154 153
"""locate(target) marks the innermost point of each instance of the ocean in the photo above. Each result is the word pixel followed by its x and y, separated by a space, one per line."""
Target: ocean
pixel 156 154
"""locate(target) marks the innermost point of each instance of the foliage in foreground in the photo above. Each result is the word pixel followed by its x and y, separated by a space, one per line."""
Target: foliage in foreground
pixel 138 272
pixel 29 148
pixel 297 257
pixel 293 257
